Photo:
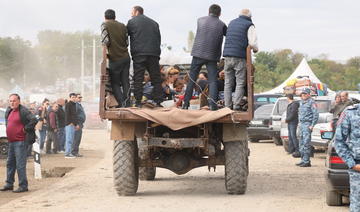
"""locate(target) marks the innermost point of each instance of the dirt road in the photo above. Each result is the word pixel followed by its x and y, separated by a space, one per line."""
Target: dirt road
pixel 274 184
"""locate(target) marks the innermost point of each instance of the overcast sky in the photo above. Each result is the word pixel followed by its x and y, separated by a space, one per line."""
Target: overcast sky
pixel 311 27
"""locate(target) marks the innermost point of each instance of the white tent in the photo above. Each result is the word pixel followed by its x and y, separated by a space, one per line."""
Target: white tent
pixel 303 69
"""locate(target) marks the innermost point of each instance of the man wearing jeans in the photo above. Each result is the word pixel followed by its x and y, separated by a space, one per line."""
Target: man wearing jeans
pixel 60 114
pixel 114 38
pixel 292 120
pixel 145 40
pixel 78 134
pixel 20 124
pixel 240 34
pixel 71 124
pixel 206 51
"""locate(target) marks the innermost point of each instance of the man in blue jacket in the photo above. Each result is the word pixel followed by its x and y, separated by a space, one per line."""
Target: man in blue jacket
pixel 206 51
pixel 240 34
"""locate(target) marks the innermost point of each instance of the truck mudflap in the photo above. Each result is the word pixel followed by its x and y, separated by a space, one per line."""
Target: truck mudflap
pixel 234 132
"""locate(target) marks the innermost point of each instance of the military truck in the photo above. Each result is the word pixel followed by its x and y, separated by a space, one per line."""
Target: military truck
pixel 141 145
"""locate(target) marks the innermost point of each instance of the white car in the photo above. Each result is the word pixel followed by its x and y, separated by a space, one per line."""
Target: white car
pixel 324 123
pixel 3 138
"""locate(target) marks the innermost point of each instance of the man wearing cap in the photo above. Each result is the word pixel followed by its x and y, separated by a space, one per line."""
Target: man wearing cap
pixel 308 116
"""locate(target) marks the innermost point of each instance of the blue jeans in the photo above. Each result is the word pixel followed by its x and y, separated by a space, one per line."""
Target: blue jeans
pixel 293 141
pixel 70 134
pixel 77 140
pixel 61 139
pixel 16 161
pixel 211 67
pixel 42 133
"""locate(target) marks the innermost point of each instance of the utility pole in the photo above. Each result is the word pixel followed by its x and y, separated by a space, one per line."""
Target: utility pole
pixel 82 67
pixel 94 69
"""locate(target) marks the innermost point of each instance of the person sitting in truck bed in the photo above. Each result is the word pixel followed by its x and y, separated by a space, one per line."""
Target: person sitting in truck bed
pixel 114 39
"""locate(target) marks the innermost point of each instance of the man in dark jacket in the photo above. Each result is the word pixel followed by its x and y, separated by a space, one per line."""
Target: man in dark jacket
pixel 240 34
pixel 52 121
pixel 72 124
pixel 292 119
pixel 145 40
pixel 206 51
pixel 20 131
pixel 78 133
pixel 114 38
pixel 60 113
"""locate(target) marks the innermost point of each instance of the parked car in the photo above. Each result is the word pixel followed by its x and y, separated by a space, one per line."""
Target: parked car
pixel 263 99
pixel 275 119
pixel 337 177
pixel 3 138
pixel 259 127
pixel 323 104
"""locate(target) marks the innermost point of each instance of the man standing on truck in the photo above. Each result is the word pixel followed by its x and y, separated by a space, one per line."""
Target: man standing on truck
pixel 308 116
pixel 292 119
pixel 347 146
pixel 114 39
pixel 206 51
pixel 145 40
pixel 240 34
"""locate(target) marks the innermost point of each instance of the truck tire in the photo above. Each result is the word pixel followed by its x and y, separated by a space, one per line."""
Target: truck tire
pixel 277 141
pixel 126 172
pixel 236 166
pixel 333 198
pixel 286 145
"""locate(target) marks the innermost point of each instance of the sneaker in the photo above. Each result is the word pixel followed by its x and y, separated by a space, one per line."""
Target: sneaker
pixel 296 154
pixel 299 164
pixel 69 156
pixel 78 155
pixel 306 165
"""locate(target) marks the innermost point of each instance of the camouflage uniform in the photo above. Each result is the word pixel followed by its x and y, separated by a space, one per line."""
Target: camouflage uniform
pixel 347 145
pixel 308 116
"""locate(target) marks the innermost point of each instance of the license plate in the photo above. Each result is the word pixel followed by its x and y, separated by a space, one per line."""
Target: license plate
pixel 256 122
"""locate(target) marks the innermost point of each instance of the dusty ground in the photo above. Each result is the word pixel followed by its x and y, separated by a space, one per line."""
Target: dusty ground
pixel 274 184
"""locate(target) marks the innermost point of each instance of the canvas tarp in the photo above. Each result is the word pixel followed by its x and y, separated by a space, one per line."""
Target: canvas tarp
pixel 177 119
pixel 303 69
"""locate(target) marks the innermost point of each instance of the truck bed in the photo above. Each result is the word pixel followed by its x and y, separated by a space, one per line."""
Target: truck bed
pixel 110 113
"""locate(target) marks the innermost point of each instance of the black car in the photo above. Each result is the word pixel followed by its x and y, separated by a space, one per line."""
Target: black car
pixel 264 99
pixel 259 127
pixel 337 177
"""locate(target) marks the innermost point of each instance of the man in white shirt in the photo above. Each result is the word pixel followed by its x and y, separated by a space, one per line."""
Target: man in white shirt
pixel 240 34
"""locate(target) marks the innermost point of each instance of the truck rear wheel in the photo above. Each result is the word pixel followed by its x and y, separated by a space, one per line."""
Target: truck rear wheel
pixel 236 166
pixel 126 172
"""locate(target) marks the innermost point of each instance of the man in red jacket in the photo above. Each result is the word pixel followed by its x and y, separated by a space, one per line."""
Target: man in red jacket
pixel 20 124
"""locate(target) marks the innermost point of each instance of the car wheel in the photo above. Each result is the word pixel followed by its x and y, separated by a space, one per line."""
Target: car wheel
pixel 4 147
pixel 333 198
pixel 254 140
pixel 277 141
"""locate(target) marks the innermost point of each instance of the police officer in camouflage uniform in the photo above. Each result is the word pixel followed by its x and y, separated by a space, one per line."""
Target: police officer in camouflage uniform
pixel 308 116
pixel 347 145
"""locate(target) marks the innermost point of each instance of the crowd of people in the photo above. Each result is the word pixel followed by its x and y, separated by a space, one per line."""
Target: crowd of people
pixel 223 84
pixel 59 125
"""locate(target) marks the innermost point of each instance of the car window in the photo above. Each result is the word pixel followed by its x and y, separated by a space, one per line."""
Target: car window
pixel 323 106
pixel 280 107
pixel 272 99
pixel 261 99
pixel 264 110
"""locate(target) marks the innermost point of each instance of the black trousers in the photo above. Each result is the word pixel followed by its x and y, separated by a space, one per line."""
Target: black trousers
pixel 151 64
pixel 120 83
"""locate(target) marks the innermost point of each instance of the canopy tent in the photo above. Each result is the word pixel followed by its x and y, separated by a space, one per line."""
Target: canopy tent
pixel 303 69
